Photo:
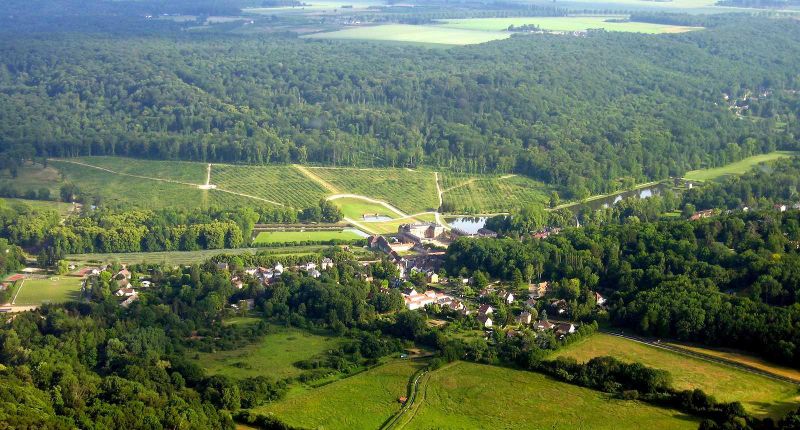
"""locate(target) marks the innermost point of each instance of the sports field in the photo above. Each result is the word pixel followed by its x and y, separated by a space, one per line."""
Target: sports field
pixel 363 401
pixel 273 237
pixel 413 33
pixel 565 23
pixel 57 289
pixel 469 395
pixel 273 356
pixel 760 395
pixel 737 168
pixel 477 194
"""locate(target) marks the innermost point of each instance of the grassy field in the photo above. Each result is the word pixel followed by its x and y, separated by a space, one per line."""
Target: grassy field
pixel 279 183
pixel 33 177
pixel 747 360
pixel 411 191
pixel 761 396
pixel 362 401
pixel 566 23
pixel 273 356
pixel 62 208
pixel 414 33
pixel 356 208
pixel 57 289
pixel 473 194
pixel 468 395
pixel 187 257
pixel 305 236
pixel 737 168
pixel 183 171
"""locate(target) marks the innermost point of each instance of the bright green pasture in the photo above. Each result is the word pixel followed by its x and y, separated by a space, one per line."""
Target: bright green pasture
pixel 187 257
pixel 363 401
pixel 411 191
pixel 62 208
pixel 468 395
pixel 738 167
pixel 476 194
pixel 305 236
pixel 273 356
pixel 57 289
pixel 760 395
pixel 414 33
pixel 565 23
pixel 354 208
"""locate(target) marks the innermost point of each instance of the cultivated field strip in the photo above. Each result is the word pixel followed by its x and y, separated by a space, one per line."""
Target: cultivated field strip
pixel 181 171
pixel 279 183
pixel 411 191
pixel 490 194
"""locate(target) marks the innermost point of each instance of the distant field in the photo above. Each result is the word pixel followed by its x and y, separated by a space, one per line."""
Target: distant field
pixel 468 395
pixel 305 236
pixel 273 356
pixel 188 257
pixel 473 194
pixel 736 168
pixel 414 33
pixel 183 171
pixel 57 289
pixel 60 207
pixel 356 208
pixel 362 401
pixel 760 395
pixel 279 183
pixel 33 177
pixel 566 23
pixel 747 360
pixel 411 191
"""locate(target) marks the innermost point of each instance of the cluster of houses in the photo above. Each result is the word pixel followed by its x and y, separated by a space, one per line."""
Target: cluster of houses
pixel 525 318
pixel 414 300
pixel 268 275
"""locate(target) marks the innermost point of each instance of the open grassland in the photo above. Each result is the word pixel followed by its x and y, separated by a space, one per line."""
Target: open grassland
pixel 62 208
pixel 475 194
pixel 32 177
pixel 411 191
pixel 187 257
pixel 273 356
pixel 271 237
pixel 362 401
pixel 354 208
pixel 745 359
pixel 57 289
pixel 736 168
pixel 564 23
pixel 468 395
pixel 414 33
pixel 279 183
pixel 760 395
pixel 183 171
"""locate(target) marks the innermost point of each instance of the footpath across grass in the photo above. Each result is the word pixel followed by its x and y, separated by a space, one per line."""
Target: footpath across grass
pixel 761 396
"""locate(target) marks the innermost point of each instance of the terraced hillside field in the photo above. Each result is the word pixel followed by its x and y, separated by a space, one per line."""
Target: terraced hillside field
pixel 279 183
pixel 469 395
pixel 182 171
pixel 411 191
pixel 474 194
pixel 760 395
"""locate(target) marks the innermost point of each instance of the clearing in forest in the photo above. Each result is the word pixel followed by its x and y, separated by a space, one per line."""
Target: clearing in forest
pixel 56 289
pixel 761 396
pixel 738 167
pixel 469 395
pixel 566 23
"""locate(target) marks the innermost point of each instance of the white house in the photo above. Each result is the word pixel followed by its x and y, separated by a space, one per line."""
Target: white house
pixel 327 263
pixel 314 273
pixel 485 320
pixel 278 268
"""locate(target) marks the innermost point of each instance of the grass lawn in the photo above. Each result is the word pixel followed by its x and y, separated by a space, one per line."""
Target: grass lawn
pixel 272 356
pixel 306 236
pixel 737 168
pixel 362 401
pixel 355 208
pixel 187 257
pixel 241 321
pixel 475 194
pixel 414 33
pixel 469 395
pixel 565 23
pixel 57 289
pixel 747 360
pixel 760 395
pixel 411 191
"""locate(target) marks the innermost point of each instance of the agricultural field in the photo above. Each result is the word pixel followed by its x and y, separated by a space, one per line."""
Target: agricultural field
pixel 760 395
pixel 411 191
pixel 280 183
pixel 187 257
pixel 565 23
pixel 365 400
pixel 432 34
pixel 56 289
pixel 182 171
pixel 476 194
pixel 32 177
pixel 745 359
pixel 273 237
pixel 62 208
pixel 354 208
pixel 274 355
pixel 469 395
pixel 736 168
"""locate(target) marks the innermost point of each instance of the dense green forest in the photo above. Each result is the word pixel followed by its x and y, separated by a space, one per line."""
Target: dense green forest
pixel 588 114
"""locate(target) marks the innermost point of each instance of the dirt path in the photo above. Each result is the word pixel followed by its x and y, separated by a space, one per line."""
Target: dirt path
pixel 310 175
pixel 14 309
pixel 208 175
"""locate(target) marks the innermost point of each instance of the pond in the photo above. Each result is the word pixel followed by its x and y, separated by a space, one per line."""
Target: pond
pixel 610 200
pixel 469 225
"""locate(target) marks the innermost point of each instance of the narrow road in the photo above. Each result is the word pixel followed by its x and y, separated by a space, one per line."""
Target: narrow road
pixel 413 390
pixel 704 357
pixel 208 175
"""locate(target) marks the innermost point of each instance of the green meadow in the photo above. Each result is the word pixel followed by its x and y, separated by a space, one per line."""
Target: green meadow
pixel 274 237
pixel 413 33
pixel 738 167
pixel 565 23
